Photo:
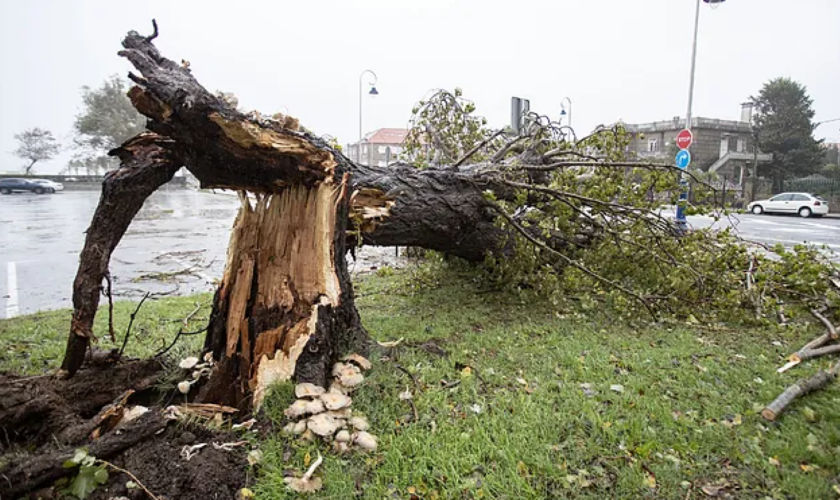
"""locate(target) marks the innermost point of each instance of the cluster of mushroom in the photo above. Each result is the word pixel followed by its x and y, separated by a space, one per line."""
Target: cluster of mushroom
pixel 198 370
pixel 327 413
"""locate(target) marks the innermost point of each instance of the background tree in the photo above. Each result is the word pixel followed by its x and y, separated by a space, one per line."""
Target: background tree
pixel 36 144
pixel 107 120
pixel 785 128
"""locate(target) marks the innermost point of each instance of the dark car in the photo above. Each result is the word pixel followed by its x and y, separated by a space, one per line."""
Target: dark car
pixel 9 186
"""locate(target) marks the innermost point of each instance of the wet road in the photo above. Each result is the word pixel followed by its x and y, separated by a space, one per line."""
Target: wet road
pixel 186 233
pixel 178 231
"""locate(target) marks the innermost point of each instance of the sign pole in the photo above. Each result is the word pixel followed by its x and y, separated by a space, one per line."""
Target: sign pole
pixel 682 224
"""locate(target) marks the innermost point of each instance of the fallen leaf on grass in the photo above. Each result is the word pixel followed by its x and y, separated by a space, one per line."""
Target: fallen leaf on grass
pixel 617 388
pixel 711 491
pixel 774 461
pixel 808 467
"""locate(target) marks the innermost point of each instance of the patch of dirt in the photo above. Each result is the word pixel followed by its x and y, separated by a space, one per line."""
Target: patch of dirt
pixel 211 474
pixel 43 420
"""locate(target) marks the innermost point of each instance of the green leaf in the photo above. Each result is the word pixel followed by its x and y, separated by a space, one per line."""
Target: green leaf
pixel 101 475
pixel 84 483
pixel 79 455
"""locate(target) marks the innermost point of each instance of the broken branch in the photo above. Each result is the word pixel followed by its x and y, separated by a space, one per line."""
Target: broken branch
pixel 130 323
pixel 799 389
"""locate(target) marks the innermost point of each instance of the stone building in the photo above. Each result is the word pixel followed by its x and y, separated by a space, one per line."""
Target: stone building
pixel 380 147
pixel 724 147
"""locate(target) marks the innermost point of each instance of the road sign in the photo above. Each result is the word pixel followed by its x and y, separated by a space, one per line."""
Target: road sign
pixel 683 159
pixel 684 139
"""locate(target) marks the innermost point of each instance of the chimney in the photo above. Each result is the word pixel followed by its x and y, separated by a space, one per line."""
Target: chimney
pixel 746 112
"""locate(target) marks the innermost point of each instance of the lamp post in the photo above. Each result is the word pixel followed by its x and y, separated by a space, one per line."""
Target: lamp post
pixel 683 201
pixel 372 91
pixel 563 109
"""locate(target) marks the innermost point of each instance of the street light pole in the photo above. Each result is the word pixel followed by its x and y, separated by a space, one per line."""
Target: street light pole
pixel 683 200
pixel 562 105
pixel 361 94
pixel 693 66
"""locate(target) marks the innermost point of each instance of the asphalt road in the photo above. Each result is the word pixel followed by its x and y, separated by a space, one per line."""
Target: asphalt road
pixel 183 233
pixel 186 233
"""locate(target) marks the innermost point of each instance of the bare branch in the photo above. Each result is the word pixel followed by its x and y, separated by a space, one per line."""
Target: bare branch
pixel 476 149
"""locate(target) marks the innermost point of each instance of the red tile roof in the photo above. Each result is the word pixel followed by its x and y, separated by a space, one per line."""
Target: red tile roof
pixel 387 136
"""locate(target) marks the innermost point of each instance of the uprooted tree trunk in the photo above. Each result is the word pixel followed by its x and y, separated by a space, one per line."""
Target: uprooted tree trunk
pixel 285 305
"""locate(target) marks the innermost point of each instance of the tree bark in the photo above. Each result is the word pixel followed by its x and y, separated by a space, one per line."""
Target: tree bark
pixel 148 162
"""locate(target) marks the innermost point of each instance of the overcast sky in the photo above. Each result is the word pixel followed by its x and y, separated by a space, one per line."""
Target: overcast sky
pixel 615 59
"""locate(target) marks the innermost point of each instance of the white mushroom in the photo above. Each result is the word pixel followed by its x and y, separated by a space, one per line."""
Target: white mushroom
pixel 307 483
pixel 359 423
pixel 343 436
pixel 340 447
pixel 290 428
pixel 297 409
pixel 352 380
pixel 337 388
pixel 188 363
pixel 322 425
pixel 184 386
pixel 342 413
pixel 299 428
pixel 313 407
pixel 338 368
pixel 307 390
pixel 304 407
pixel 348 375
pixel 335 401
pixel 365 441
pixel 361 361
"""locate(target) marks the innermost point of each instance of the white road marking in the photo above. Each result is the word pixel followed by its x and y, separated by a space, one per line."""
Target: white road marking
pixel 12 301
pixel 797 242
pixel 823 226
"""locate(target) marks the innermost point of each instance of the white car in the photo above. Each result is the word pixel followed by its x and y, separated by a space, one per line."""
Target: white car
pixel 50 186
pixel 804 204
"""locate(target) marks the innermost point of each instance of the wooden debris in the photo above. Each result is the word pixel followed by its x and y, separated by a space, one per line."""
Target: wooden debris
pixel 799 389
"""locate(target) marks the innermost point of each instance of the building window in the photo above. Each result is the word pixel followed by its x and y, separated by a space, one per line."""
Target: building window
pixel 742 145
pixel 653 145
pixel 382 150
pixel 382 163
pixel 364 149
pixel 395 150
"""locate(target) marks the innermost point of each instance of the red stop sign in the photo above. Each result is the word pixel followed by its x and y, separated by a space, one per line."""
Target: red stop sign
pixel 684 139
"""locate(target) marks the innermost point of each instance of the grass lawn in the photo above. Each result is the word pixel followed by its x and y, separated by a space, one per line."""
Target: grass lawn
pixel 547 404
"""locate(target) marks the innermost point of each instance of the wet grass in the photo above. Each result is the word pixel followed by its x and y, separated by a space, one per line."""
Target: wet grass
pixel 34 344
pixel 529 403
pixel 665 412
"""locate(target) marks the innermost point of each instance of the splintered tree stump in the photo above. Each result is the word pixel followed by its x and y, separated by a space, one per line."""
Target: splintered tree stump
pixel 285 306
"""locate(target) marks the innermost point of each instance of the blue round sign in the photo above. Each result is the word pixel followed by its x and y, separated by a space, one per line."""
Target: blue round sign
pixel 683 159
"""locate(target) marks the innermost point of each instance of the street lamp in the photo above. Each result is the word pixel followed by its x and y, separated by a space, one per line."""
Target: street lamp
pixel 683 201
pixel 563 110
pixel 372 91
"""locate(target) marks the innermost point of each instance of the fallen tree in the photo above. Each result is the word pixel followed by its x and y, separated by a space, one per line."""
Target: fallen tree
pixel 539 208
